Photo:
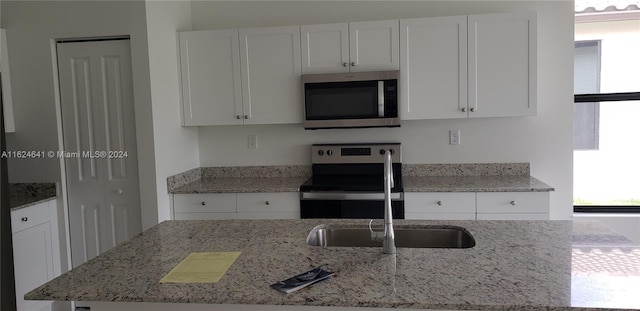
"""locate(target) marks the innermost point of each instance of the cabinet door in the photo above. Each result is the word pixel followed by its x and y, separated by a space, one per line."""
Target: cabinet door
pixel 271 69
pixel 210 76
pixel 276 205
pixel 374 45
pixel 7 99
pixel 502 65
pixel 513 205
pixel 204 206
pixel 33 263
pixel 440 205
pixel 325 48
pixel 433 67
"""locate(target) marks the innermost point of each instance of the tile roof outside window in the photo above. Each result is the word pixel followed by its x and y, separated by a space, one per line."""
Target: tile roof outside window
pixel 594 6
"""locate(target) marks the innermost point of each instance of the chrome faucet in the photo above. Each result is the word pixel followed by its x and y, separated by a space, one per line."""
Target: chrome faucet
pixel 389 242
pixel 388 235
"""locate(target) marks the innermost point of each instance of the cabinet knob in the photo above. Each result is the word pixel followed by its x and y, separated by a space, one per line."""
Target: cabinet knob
pixel 238 117
pixel 267 202
pixel 439 203
pixel 513 203
pixel 203 203
pixel 120 191
pixel 473 109
pixel 464 109
pixel 353 64
pixel 345 64
pixel 24 219
pixel 246 116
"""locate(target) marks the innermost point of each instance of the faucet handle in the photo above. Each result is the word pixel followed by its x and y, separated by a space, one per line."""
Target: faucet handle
pixel 377 236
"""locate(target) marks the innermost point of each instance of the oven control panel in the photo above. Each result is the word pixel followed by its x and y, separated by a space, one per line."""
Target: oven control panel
pixel 354 153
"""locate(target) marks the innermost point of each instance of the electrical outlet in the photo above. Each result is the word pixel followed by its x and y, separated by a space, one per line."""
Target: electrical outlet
pixel 454 137
pixel 253 141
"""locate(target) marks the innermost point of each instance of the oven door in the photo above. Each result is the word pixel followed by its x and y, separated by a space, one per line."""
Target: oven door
pixel 349 205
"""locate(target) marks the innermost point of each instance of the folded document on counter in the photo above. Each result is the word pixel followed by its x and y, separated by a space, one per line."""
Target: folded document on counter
pixel 302 280
pixel 205 267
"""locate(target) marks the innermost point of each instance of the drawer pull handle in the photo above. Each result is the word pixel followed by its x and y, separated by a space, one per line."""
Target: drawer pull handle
pixel 267 202
pixel 203 203
pixel 513 202
pixel 25 219
pixel 439 203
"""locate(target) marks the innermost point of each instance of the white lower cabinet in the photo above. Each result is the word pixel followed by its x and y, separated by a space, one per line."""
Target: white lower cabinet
pixel 276 205
pixel 204 206
pixel 36 251
pixel 513 205
pixel 440 205
pixel 480 205
pixel 263 205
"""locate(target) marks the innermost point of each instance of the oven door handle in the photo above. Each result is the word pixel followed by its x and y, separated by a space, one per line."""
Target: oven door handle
pixel 362 196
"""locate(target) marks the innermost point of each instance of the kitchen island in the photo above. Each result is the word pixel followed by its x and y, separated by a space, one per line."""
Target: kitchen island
pixel 515 265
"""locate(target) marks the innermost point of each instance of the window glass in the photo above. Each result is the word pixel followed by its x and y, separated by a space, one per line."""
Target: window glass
pixel 606 144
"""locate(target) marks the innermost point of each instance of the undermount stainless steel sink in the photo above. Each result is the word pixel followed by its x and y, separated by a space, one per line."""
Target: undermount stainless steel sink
pixel 425 237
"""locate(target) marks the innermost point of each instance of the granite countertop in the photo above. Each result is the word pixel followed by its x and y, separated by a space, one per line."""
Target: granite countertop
pixel 499 183
pixel 23 195
pixel 515 265
pixel 487 177
pixel 247 184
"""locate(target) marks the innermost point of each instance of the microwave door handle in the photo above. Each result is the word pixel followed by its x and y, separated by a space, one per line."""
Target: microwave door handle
pixel 381 99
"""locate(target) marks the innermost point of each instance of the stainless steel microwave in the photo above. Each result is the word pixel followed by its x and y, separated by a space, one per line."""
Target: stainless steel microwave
pixel 361 99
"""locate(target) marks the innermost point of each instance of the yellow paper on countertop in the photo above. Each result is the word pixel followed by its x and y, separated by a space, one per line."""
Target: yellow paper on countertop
pixel 206 267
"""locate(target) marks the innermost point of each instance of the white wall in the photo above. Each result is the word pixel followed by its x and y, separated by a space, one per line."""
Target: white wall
pixel 31 25
pixel 176 147
pixel 545 140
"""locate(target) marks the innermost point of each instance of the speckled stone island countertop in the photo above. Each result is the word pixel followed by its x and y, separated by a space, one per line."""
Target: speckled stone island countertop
pixel 23 195
pixel 487 177
pixel 515 265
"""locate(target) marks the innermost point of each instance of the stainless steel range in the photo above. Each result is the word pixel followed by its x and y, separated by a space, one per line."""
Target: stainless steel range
pixel 348 182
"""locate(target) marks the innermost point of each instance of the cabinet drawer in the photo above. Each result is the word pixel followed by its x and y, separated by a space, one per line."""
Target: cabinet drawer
pixel 269 202
pixel 440 202
pixel 202 203
pixel 31 216
pixel 513 202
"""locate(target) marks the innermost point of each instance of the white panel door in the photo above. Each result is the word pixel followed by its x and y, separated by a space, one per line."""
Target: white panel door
pixel 98 119
pixel 374 45
pixel 271 68
pixel 502 65
pixel 210 75
pixel 325 48
pixel 433 68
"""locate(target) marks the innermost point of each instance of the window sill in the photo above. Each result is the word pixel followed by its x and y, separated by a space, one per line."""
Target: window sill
pixel 609 215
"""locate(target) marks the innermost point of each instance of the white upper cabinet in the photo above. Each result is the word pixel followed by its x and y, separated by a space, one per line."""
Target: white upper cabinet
pixel 502 65
pixel 468 66
pixel 451 67
pixel 325 48
pixel 246 76
pixel 210 71
pixel 350 47
pixel 433 67
pixel 271 69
